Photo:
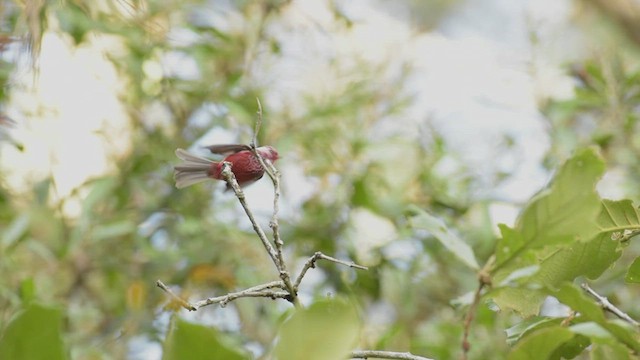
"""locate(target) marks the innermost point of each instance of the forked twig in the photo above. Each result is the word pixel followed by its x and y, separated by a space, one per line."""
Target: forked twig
pixel 185 304
pixel 263 290
pixel 311 263
pixel 230 178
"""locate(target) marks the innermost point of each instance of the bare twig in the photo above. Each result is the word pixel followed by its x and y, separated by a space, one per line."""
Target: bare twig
pixel 311 263
pixel 273 224
pixel 231 180
pixel 374 354
pixel 185 304
pixel 466 346
pixel 608 306
pixel 255 291
pixel 263 290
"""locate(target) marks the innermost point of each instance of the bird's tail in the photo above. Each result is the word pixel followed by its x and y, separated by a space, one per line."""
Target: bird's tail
pixel 192 170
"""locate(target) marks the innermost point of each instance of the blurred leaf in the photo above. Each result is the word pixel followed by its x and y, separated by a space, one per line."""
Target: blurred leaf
pixel 74 21
pixel 591 329
pixel 633 274
pixel 447 238
pixel 27 290
pixel 16 230
pixel 212 275
pixel 533 323
pixel 100 189
pixel 112 230
pixel 136 294
pixel 610 351
pixel 327 329
pixel 525 302
pixel 34 334
pixel 540 344
pixel 572 348
pixel 41 190
pixel 197 342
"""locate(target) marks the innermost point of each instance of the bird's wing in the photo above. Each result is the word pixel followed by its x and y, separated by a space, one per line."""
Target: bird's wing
pixel 227 148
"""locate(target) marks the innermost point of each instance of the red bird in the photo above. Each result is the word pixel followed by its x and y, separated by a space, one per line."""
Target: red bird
pixel 246 166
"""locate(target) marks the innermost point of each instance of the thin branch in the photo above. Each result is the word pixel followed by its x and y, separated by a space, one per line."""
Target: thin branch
pixel 185 304
pixel 273 224
pixel 231 180
pixel 225 299
pixel 263 290
pixel 608 306
pixel 311 263
pixel 466 346
pixel 374 354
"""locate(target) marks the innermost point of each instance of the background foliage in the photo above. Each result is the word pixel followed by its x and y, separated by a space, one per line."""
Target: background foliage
pixel 393 202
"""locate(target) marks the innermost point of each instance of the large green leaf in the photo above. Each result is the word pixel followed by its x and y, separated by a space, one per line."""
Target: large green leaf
pixel 34 334
pixel 564 213
pixel 447 238
pixel 592 258
pixel 526 326
pixel 326 330
pixel 197 342
pixel 558 233
pixel 524 301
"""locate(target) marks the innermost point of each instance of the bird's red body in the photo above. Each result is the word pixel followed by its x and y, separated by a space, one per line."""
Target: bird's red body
pixel 245 166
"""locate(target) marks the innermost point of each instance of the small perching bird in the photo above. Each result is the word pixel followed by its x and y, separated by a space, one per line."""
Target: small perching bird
pixel 245 165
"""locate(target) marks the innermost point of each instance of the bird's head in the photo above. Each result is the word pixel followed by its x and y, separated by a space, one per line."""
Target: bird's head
pixel 268 152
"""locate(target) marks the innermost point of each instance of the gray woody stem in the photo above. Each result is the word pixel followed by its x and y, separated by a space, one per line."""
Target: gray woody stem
pixel 608 306
pixel 374 354
pixel 263 290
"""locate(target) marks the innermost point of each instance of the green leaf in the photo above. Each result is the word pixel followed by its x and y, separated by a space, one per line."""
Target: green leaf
pixel 589 259
pixel 572 348
pixel 34 334
pixel 608 351
pixel 328 329
pixel 633 274
pixel 540 344
pixel 447 238
pixel 618 216
pixel 564 213
pixel 534 323
pixel 525 302
pixel 27 290
pixel 115 229
pixel 592 258
pixel 508 244
pixel 15 231
pixel 196 342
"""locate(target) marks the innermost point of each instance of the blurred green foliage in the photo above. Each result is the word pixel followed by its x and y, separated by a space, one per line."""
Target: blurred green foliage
pixel 97 271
